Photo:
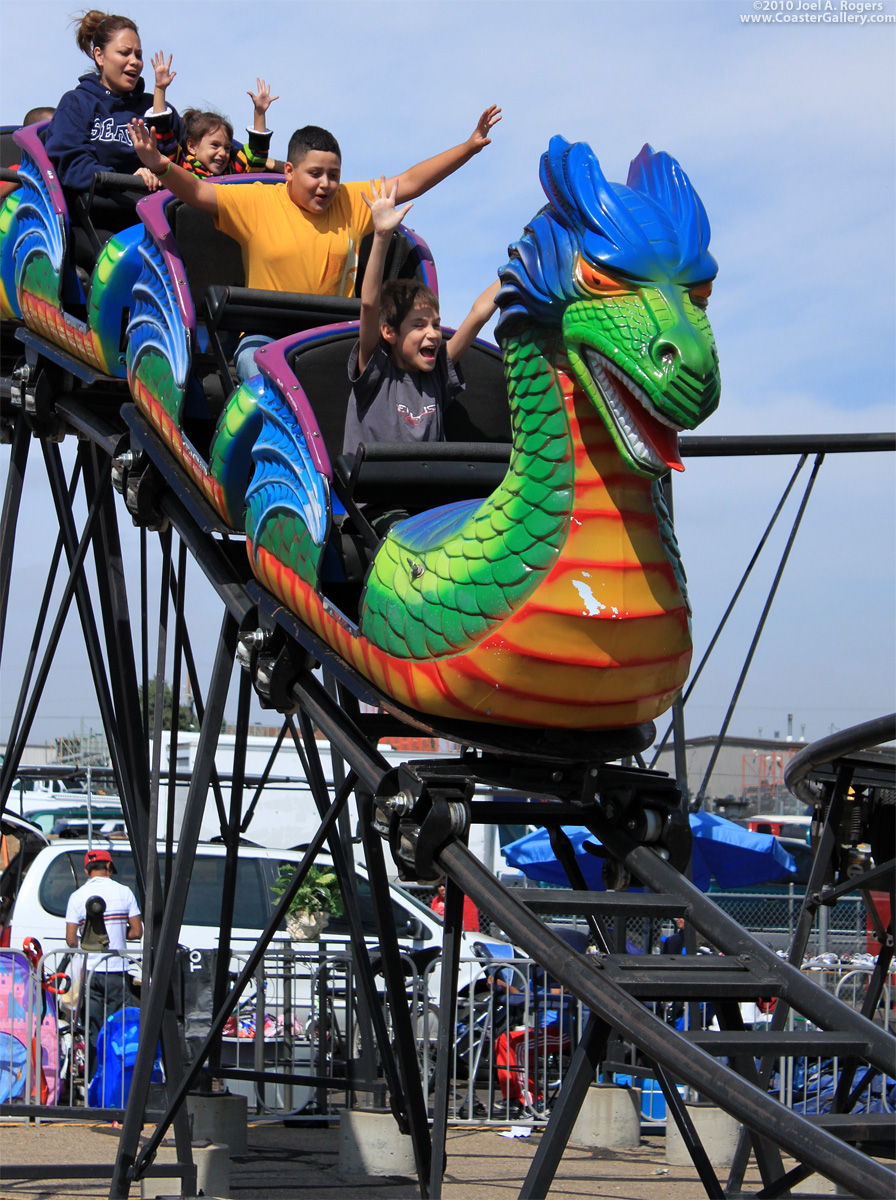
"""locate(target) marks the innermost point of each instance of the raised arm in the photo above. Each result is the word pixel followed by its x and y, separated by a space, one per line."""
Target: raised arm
pixel 198 193
pixel 385 220
pixel 164 78
pixel 468 330
pixel 254 154
pixel 425 175
pixel 261 102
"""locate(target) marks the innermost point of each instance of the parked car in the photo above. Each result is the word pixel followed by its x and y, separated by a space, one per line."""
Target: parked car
pixel 20 843
pixel 66 819
pixel 58 869
pixel 318 989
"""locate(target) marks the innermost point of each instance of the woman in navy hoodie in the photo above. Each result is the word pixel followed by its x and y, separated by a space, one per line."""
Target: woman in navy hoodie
pixel 89 132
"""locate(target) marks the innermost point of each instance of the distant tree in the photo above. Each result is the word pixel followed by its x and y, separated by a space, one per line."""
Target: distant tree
pixel 185 716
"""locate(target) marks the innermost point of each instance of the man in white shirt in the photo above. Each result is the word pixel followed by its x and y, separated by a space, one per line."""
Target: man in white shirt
pixel 109 990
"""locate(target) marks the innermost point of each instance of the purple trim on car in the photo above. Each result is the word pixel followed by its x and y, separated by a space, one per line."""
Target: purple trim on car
pixel 151 211
pixel 271 361
pixel 32 145
pixel 264 177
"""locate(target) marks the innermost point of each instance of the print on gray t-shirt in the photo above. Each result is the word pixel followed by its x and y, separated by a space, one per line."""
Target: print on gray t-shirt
pixel 389 404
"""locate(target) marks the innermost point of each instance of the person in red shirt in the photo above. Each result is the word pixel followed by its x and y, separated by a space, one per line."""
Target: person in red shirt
pixel 471 913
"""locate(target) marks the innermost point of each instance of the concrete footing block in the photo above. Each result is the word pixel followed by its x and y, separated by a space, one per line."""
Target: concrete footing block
pixel 716 1129
pixel 213 1171
pixel 610 1118
pixel 221 1120
pixel 817 1185
pixel 370 1143
pixel 161 1185
pixel 212 1174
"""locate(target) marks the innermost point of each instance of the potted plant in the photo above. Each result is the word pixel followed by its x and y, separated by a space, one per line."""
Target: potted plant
pixel 316 899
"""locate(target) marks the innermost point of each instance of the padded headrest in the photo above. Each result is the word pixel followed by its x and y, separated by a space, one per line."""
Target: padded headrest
pixel 481 412
pixel 209 256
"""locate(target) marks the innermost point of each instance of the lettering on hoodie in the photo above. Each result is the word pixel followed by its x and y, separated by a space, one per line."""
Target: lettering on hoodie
pixel 106 130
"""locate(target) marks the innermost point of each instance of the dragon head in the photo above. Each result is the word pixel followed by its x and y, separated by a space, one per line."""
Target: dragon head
pixel 624 274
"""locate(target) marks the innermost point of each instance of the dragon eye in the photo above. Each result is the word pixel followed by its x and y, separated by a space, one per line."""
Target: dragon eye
pixel 599 282
pixel 700 294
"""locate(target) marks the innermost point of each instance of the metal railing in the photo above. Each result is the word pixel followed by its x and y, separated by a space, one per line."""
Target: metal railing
pixel 514 1036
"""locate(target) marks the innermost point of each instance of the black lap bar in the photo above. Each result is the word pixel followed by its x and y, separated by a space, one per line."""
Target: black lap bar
pixel 422 474
pixel 253 310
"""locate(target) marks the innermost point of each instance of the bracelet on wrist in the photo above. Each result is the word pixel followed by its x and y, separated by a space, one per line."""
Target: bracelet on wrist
pixel 162 174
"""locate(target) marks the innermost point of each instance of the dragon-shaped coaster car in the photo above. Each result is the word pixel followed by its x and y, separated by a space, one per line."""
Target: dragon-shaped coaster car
pixel 560 600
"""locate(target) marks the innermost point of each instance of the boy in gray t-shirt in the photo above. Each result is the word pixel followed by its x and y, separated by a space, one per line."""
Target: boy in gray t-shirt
pixel 403 375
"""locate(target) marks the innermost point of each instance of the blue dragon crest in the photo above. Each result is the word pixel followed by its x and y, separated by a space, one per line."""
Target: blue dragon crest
pixel 652 229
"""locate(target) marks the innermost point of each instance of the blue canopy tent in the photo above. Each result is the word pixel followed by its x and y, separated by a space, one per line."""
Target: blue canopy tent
pixel 728 853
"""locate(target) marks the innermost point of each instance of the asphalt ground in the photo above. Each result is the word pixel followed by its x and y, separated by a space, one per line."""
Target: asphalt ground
pixel 303 1162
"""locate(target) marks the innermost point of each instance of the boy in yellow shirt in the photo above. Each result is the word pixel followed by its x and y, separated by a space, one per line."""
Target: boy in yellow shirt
pixel 302 235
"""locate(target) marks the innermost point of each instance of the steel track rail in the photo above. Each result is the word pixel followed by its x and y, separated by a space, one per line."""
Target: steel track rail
pixel 686 1061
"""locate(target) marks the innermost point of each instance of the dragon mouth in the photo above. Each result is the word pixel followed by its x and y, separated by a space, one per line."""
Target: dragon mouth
pixel 651 438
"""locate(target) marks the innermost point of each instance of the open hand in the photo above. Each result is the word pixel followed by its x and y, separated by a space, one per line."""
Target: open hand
pixel 382 206
pixel 479 138
pixel 263 98
pixel 144 140
pixel 164 74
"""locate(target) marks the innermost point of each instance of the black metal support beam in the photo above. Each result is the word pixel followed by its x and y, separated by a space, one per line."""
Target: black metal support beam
pixel 739 446
pixel 341 732
pixel 154 1006
pixel 804 995
pixel 675 1106
pixel 823 853
pixel 393 973
pixel 131 763
pixel 231 836
pixel 262 781
pixel 178 590
pixel 12 498
pixel 451 947
pixel 177 1097
pixel 576 1082
pixel 664 1046
pixel 152 903
pixel 39 625
pixel 74 586
pixel 779 574
pixel 563 849
pixel 183 645
pixel 673 726
pixel 374 1019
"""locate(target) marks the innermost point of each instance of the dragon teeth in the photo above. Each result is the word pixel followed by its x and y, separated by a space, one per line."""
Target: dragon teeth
pixel 602 373
pixel 598 363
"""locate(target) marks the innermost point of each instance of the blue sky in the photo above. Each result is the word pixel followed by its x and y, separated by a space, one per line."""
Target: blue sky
pixel 789 134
